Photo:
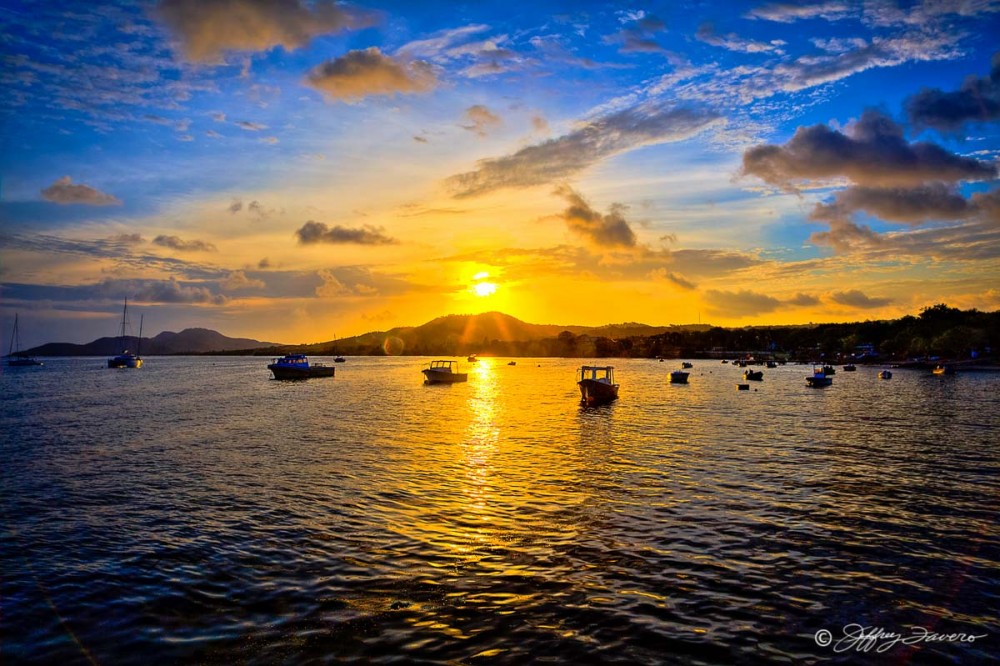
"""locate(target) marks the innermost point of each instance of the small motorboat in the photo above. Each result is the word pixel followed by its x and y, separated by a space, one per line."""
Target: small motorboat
pixel 944 369
pixel 297 366
pixel 754 375
pixel 679 377
pixel 444 372
pixel 885 374
pixel 829 370
pixel 742 387
pixel 686 365
pixel 819 378
pixel 340 359
pixel 472 358
pixel 850 367
pixel 771 365
pixel 597 385
pixel 512 363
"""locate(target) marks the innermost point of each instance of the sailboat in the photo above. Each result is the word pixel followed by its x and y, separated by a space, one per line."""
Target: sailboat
pixel 18 359
pixel 127 359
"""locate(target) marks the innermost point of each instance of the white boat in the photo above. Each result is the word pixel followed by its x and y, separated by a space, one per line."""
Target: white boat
pixel 126 359
pixel 597 385
pixel 443 372
pixel 15 357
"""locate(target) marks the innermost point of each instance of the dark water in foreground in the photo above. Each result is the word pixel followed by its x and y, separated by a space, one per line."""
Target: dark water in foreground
pixel 195 511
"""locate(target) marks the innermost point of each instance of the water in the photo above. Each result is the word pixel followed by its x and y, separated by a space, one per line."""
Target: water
pixel 196 511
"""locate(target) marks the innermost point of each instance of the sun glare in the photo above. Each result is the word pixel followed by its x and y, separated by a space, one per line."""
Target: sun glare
pixel 484 288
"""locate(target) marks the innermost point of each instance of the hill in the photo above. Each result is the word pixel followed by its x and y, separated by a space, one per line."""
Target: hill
pixel 188 341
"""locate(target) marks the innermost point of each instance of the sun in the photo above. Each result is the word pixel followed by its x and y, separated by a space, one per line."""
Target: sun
pixel 483 289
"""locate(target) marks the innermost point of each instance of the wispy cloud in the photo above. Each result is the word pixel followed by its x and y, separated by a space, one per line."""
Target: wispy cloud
pixel 857 299
pixel 370 73
pixel 481 120
pixel 64 191
pixel 789 12
pixel 207 30
pixel 638 35
pixel 560 158
pixel 317 232
pixel 733 42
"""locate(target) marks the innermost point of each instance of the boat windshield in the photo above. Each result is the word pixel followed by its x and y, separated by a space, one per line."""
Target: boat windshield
pixel 444 366
pixel 597 373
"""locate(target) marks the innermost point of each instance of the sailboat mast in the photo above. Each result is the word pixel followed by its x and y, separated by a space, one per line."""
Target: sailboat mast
pixel 138 345
pixel 13 336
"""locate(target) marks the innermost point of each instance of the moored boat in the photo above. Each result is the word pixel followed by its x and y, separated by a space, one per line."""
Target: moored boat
pixel 771 364
pixel 829 370
pixel 297 366
pixel 15 357
pixel 597 384
pixel 850 367
pixel 687 365
pixel 819 378
pixel 754 375
pixel 944 369
pixel 472 358
pixel 679 377
pixel 126 359
pixel 443 372
pixel 885 374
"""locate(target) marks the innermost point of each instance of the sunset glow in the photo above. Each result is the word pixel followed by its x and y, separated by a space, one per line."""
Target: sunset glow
pixel 282 170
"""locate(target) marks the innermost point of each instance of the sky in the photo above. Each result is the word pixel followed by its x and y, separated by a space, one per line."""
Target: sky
pixel 297 171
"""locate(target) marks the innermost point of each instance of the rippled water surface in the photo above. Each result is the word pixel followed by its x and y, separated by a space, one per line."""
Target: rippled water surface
pixel 197 511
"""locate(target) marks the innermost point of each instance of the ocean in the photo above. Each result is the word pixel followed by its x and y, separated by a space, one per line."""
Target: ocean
pixel 197 511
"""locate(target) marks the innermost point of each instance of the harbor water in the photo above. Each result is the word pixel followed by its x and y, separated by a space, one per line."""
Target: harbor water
pixel 198 511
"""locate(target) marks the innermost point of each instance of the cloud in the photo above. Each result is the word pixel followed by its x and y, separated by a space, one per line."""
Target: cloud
pixel 208 29
pixel 481 120
pixel 978 100
pixel 673 278
pixel 128 239
pixel 370 73
pixel 63 192
pixel 236 206
pixel 611 230
pixel 557 159
pixel 741 303
pixel 250 127
pixel 160 291
pixel 637 37
pixel 733 42
pixel 803 300
pixel 317 232
pixel 176 243
pixel 789 12
pixel 856 299
pixel 873 152
pixel 238 280
pixel 934 201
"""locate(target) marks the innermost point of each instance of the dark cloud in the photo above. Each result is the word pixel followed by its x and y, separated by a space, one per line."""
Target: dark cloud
pixel 857 299
pixel 674 278
pixel 368 73
pixel 250 127
pixel 236 206
pixel 935 201
pixel 176 243
pixel 637 36
pixel 208 29
pixel 611 230
pixel 803 300
pixel 558 159
pixel 317 232
pixel 873 152
pixel 846 236
pixel 978 100
pixel 128 239
pixel 63 191
pixel 739 303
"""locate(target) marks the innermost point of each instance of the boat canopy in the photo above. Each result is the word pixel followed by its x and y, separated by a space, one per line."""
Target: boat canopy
pixel 598 373
pixel 444 366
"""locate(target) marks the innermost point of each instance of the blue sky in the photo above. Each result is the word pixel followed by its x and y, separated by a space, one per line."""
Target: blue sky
pixel 294 171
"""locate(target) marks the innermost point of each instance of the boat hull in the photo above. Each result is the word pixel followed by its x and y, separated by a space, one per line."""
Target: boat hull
pixel 819 382
pixel 444 377
pixel 22 362
pixel 301 373
pixel 593 392
pixel 125 362
pixel 752 376
pixel 679 377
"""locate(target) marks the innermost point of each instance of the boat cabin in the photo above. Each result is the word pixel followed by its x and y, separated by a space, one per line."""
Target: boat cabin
pixel 443 366
pixel 604 374
pixel 293 360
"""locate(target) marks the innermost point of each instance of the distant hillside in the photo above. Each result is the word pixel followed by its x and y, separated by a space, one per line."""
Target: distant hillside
pixel 188 341
pixel 489 332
